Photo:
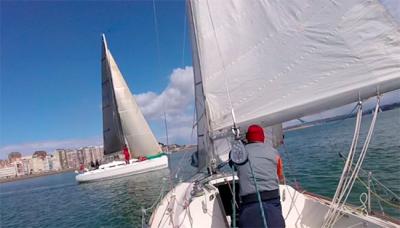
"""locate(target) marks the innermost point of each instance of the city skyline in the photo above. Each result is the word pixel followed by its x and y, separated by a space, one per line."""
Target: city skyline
pixel 42 162
pixel 49 152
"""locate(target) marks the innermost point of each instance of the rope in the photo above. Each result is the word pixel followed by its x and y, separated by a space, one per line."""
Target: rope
pixel 258 196
pixel 160 196
pixel 157 36
pixel 378 196
pixel 234 204
pixel 184 37
pixel 382 185
pixel 374 179
pixel 346 170
pixel 292 170
pixel 333 213
pixel 362 155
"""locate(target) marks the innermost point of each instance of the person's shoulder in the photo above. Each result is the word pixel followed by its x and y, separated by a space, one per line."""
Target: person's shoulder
pixel 269 147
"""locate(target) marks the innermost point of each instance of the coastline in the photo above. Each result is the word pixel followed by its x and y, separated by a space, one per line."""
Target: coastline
pixel 25 177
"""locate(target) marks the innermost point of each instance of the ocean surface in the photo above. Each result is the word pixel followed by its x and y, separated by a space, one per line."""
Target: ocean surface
pixel 310 157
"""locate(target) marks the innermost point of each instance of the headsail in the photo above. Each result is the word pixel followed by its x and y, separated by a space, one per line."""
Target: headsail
pixel 274 61
pixel 135 131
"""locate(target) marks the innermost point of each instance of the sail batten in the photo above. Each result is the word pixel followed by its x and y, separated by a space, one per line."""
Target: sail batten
pixel 123 122
pixel 301 58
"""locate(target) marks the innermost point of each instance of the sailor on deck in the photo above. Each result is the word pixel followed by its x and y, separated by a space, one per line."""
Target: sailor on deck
pixel 267 167
pixel 127 155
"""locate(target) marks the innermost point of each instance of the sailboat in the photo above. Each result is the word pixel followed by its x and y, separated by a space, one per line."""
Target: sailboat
pixel 267 62
pixel 123 124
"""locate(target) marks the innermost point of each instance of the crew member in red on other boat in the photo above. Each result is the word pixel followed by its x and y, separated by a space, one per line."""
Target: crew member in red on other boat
pixel 126 154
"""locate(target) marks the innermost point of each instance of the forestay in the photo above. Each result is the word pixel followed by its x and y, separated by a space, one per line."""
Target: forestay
pixel 136 132
pixel 274 61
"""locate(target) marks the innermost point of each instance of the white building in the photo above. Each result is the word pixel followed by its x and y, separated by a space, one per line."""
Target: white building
pixel 72 158
pixel 8 172
pixel 27 164
pixel 40 164
pixel 54 162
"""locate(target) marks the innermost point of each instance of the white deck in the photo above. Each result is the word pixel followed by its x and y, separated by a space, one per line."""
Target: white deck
pixel 120 169
pixel 180 208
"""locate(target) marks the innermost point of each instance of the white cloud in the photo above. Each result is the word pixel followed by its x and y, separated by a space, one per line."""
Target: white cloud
pixel 176 98
pixel 176 101
pixel 49 146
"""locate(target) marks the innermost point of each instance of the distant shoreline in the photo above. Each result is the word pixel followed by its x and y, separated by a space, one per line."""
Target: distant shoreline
pixel 25 177
pixel 336 118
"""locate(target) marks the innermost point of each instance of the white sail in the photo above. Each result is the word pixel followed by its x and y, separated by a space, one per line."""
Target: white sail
pixel 207 148
pixel 136 132
pixel 274 61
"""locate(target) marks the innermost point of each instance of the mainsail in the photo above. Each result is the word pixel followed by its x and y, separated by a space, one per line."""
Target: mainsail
pixel 123 122
pixel 268 62
pixel 112 130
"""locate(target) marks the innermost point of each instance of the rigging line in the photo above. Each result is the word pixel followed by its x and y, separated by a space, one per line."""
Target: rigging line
pixel 180 165
pixel 374 192
pixel 365 172
pixel 360 160
pixel 379 202
pixel 223 66
pixel 289 162
pixel 234 204
pixel 295 181
pixel 157 36
pixel 159 197
pixel 230 189
pixel 380 198
pixel 184 36
pixel 346 170
pixel 263 215
pixel 342 181
pixel 382 185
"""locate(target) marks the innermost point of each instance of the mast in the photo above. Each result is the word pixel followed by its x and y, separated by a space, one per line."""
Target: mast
pixel 205 148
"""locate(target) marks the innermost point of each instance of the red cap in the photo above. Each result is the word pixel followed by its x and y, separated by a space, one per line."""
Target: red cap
pixel 255 133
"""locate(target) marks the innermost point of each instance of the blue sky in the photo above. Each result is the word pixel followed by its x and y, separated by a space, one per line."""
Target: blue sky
pixel 50 62
pixel 50 69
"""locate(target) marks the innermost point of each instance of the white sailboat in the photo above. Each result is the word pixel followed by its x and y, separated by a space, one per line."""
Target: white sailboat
pixel 123 124
pixel 266 62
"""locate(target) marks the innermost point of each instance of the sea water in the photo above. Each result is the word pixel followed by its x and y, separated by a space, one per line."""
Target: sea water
pixel 310 156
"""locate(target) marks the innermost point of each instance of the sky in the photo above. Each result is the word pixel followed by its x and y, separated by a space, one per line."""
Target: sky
pixel 50 79
pixel 50 66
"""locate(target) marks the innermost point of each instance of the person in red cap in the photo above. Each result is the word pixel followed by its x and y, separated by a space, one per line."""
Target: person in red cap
pixel 268 171
pixel 127 155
